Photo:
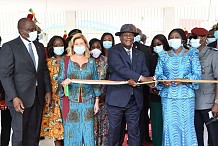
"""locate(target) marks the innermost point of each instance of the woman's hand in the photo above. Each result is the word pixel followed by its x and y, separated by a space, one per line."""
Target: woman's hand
pixel 66 82
pixel 96 106
pixel 167 83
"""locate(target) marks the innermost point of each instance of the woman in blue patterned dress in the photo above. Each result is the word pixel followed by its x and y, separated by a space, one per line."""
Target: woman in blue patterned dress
pixel 178 99
pixel 83 98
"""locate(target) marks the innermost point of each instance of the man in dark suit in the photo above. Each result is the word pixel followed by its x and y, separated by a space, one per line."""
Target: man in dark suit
pixel 125 63
pixel 25 78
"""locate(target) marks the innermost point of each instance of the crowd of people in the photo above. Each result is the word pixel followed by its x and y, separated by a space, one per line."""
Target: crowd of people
pixel 39 99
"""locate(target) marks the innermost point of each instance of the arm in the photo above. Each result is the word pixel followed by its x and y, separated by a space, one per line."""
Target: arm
pixel 195 73
pixel 7 64
pixel 60 91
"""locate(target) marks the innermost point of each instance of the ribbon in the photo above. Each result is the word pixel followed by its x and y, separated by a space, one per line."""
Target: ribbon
pixel 108 82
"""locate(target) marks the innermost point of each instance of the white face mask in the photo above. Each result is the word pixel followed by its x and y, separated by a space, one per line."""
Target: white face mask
pixel 195 43
pixel 210 40
pixel 96 53
pixel 158 49
pixel 32 36
pixel 58 50
pixel 175 43
pixel 107 44
pixel 79 49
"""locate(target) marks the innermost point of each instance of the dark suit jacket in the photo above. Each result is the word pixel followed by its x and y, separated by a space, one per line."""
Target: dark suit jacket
pixel 18 73
pixel 213 44
pixel 119 65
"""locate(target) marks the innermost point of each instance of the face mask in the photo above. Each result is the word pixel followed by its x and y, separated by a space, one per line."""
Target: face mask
pixel 210 40
pixel 195 43
pixel 79 50
pixel 137 38
pixel 175 43
pixel 32 36
pixel 96 53
pixel 158 49
pixel 58 50
pixel 216 34
pixel 107 44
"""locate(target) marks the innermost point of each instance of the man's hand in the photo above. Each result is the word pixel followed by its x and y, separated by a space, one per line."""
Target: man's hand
pixel 48 98
pixel 132 82
pixel 18 105
pixel 215 109
pixel 146 79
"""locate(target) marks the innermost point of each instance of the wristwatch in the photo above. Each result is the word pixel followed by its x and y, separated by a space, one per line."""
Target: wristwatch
pixel 216 101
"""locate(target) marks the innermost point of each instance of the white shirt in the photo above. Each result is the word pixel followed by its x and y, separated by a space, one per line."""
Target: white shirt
pixel 26 43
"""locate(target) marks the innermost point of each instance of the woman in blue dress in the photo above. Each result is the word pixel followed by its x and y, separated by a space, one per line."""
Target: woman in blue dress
pixel 178 99
pixel 83 98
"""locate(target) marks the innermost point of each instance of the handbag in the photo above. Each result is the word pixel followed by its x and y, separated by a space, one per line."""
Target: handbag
pixel 65 97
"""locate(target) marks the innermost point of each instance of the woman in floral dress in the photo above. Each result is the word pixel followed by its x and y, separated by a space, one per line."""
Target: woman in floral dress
pixel 52 125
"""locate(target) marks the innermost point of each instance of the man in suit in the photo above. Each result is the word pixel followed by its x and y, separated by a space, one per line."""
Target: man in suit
pixel 125 63
pixel 25 78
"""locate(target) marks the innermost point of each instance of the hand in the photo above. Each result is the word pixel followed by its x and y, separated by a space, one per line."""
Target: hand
pixel 48 98
pixel 96 106
pixel 215 109
pixel 167 83
pixel 132 83
pixel 146 79
pixel 18 105
pixel 151 85
pixel 178 82
pixel 2 105
pixel 66 82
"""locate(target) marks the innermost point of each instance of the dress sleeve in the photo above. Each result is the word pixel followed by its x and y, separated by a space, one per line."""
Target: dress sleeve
pixel 96 88
pixel 195 73
pixel 60 91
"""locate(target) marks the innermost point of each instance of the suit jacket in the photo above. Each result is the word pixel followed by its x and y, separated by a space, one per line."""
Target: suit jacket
pixel 120 69
pixel 18 73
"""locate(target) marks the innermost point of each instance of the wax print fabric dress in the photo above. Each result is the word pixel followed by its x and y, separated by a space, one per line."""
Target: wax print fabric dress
pixel 52 125
pixel 178 102
pixel 101 119
pixel 79 124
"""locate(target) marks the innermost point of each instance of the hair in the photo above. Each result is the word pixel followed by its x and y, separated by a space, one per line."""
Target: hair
pixel 102 39
pixel 163 40
pixel 50 46
pixel 182 34
pixel 92 41
pixel 71 43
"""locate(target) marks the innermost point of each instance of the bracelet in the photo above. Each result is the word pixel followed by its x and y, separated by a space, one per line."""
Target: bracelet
pixel 216 101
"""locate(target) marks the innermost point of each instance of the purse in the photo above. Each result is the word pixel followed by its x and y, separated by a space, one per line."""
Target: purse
pixel 65 97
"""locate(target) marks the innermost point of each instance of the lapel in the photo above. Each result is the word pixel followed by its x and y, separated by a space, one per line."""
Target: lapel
pixel 134 59
pixel 125 55
pixel 25 53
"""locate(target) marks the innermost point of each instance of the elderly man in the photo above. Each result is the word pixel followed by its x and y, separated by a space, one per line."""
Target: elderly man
pixel 25 78
pixel 125 63
pixel 207 94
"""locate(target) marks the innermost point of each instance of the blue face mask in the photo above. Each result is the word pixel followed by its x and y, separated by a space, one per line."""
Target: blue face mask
pixel 79 49
pixel 107 44
pixel 158 49
pixel 216 34
pixel 58 50
pixel 138 38
pixel 175 43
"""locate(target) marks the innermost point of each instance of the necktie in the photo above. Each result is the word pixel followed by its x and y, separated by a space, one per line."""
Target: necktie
pixel 130 57
pixel 31 53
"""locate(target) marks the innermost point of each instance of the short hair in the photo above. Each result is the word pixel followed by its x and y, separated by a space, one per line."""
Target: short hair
pixel 22 22
pixel 71 43
pixel 92 41
pixel 50 46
